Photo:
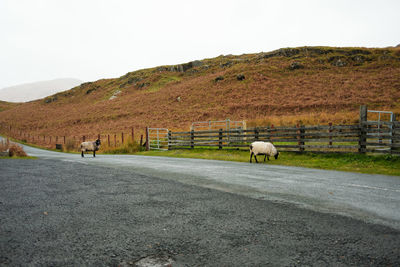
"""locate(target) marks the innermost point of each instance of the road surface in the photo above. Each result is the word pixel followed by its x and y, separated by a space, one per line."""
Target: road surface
pixel 373 198
pixel 62 210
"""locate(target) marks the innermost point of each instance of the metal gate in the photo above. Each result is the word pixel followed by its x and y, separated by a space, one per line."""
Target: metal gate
pixel 380 129
pixel 157 138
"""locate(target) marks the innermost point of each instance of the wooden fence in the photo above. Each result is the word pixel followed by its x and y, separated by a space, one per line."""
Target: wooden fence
pixel 365 137
pixel 70 141
pixel 360 138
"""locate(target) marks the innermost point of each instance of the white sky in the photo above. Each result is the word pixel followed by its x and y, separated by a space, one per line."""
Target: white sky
pixel 94 39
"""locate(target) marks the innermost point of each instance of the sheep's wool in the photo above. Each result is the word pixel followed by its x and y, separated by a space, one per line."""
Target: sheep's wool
pixel 88 146
pixel 264 148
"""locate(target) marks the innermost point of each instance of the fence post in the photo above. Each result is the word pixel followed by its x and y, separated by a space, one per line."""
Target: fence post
pixel 256 133
pixel 362 146
pixel 133 135
pixel 122 137
pixel 220 139
pixel 83 138
pixel 393 128
pixel 302 131
pixel 169 139
pixel 191 139
pixel 272 132
pixel 115 140
pixel 64 139
pixel 330 133
pixel 268 134
pixel 147 139
pixel 141 140
pixel 108 140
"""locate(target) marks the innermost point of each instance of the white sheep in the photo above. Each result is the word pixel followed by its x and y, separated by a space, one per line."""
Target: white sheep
pixel 90 146
pixel 263 148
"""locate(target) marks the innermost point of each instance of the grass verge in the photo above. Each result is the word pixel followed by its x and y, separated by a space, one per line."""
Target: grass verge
pixel 372 164
pixel 14 157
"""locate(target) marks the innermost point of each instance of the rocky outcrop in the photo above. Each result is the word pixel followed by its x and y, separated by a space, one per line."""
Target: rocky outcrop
pixel 313 51
pixel 295 65
pixel 181 67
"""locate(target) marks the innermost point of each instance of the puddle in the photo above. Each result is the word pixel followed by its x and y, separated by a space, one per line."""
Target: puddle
pixel 150 261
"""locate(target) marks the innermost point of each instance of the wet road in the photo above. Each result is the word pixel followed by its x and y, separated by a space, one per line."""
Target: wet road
pixel 371 198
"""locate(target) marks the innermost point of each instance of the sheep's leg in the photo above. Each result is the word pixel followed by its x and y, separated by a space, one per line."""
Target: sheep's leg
pixel 94 153
pixel 251 155
pixel 82 153
pixel 265 157
pixel 255 157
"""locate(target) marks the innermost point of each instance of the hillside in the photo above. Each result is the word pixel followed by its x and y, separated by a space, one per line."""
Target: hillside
pixel 307 85
pixel 37 90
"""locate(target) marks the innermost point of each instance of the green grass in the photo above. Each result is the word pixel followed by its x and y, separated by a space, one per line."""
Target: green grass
pixel 128 148
pixel 372 164
pixel 164 80
pixel 18 157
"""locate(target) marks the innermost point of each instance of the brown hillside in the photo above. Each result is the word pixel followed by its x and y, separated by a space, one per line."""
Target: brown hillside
pixel 308 85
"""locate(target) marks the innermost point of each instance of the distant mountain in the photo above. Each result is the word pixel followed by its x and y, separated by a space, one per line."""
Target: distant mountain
pixel 32 91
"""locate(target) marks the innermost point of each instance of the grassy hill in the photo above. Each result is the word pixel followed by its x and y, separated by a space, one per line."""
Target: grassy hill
pixel 310 85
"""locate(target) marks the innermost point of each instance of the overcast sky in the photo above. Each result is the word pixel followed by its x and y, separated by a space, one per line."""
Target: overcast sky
pixel 94 39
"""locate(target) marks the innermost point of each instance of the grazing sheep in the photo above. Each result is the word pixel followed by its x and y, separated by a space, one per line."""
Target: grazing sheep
pixel 263 148
pixel 90 146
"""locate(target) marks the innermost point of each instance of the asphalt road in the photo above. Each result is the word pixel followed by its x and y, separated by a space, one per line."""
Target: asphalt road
pixel 62 210
pixel 372 198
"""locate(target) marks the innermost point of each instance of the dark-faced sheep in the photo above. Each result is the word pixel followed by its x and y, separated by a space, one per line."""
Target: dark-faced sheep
pixel 90 146
pixel 263 148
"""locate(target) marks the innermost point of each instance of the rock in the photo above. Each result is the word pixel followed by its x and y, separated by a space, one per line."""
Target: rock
pixel 141 85
pixel 115 95
pixel 240 77
pixel 90 90
pixel 186 66
pixel 50 99
pixel 226 64
pixel 295 65
pixel 219 78
pixel 197 63
pixel 337 61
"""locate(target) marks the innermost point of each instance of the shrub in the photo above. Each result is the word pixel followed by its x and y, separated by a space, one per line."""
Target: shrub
pixel 70 145
pixel 127 148
pixel 16 151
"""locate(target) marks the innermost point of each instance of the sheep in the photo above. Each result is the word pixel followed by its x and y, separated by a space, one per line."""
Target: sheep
pixel 90 146
pixel 263 148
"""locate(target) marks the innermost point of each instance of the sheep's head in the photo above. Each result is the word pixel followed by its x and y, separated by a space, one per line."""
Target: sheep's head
pixel 98 142
pixel 276 155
